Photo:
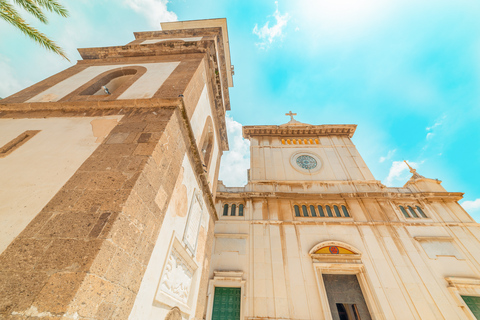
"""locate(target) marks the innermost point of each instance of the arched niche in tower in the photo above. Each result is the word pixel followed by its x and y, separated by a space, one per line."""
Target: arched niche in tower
pixel 206 143
pixel 108 85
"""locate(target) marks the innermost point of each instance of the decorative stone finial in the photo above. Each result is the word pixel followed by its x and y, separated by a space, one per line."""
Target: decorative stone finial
pixel 415 175
pixel 291 115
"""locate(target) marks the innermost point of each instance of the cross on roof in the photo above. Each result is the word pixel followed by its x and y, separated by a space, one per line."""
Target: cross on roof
pixel 291 115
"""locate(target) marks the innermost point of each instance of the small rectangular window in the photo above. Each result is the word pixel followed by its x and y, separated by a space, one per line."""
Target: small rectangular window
pixel 297 211
pixel 225 210
pixel 421 212
pixel 312 211
pixel 414 214
pixel 337 212
pixel 234 209
pixel 305 211
pixel 240 210
pixel 345 211
pixel 329 211
pixel 320 211
pixel 404 212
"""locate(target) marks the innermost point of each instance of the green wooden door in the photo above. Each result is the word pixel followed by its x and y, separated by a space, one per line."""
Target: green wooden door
pixel 226 304
pixel 474 304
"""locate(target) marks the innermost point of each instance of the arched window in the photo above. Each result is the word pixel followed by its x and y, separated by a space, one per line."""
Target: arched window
pixel 329 211
pixel 414 214
pixel 421 212
pixel 305 211
pixel 337 212
pixel 312 211
pixel 240 210
pixel 404 212
pixel 345 211
pixel 234 209
pixel 320 211
pixel 225 210
pixel 108 84
pixel 297 211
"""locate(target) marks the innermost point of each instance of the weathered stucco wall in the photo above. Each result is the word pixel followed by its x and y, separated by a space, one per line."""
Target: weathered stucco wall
pixel 32 174
pixel 145 87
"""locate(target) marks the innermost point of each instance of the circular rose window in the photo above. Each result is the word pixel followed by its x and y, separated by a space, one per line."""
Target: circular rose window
pixel 306 162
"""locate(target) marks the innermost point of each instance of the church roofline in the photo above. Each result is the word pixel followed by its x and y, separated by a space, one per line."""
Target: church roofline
pixel 302 131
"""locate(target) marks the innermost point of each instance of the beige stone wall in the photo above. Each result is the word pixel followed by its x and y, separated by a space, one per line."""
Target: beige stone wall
pixel 270 160
pixel 32 174
pixel 408 268
pixel 405 262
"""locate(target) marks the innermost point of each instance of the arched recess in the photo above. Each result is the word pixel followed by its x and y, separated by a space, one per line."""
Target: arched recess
pixel 340 258
pixel 206 143
pixel 335 248
pixel 116 80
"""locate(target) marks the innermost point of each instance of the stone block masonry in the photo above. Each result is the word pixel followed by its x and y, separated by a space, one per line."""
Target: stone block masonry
pixel 84 254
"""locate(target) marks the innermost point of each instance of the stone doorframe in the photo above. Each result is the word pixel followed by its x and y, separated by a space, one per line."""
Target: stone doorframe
pixel 463 286
pixel 350 264
pixel 228 279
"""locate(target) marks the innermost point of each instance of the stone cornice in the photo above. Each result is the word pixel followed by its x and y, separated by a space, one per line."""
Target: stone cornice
pixel 302 131
pixel 322 221
pixel 82 106
pixel 455 196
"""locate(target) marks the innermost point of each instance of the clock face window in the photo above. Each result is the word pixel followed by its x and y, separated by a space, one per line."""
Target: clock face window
pixel 306 162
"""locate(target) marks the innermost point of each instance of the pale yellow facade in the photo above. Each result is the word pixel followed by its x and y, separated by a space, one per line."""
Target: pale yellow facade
pixel 407 267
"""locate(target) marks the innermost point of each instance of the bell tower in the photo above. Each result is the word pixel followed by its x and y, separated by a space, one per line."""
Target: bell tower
pixel 297 151
pixel 108 172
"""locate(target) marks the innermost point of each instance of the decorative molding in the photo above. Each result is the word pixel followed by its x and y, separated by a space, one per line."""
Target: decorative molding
pixel 434 238
pixel 304 131
pixel 455 196
pixel 177 277
pixel 228 275
pixel 231 235
pixel 459 281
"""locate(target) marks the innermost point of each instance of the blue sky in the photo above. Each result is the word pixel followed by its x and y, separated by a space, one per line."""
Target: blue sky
pixel 407 72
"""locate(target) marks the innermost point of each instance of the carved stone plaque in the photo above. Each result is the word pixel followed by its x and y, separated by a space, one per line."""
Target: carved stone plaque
pixel 190 237
pixel 177 277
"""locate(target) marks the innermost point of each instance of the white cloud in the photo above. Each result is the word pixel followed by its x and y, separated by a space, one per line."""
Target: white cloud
pixel 430 135
pixel 438 122
pixel 234 164
pixel 9 84
pixel 269 34
pixel 388 156
pixel 154 10
pixel 471 206
pixel 399 173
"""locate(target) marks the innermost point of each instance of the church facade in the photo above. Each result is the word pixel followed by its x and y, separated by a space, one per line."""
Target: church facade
pixel 111 208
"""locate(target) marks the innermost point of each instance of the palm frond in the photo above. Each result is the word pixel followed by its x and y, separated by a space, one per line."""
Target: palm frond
pixel 32 8
pixel 53 6
pixel 9 14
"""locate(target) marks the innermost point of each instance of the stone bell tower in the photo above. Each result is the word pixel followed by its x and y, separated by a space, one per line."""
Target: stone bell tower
pixel 108 172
